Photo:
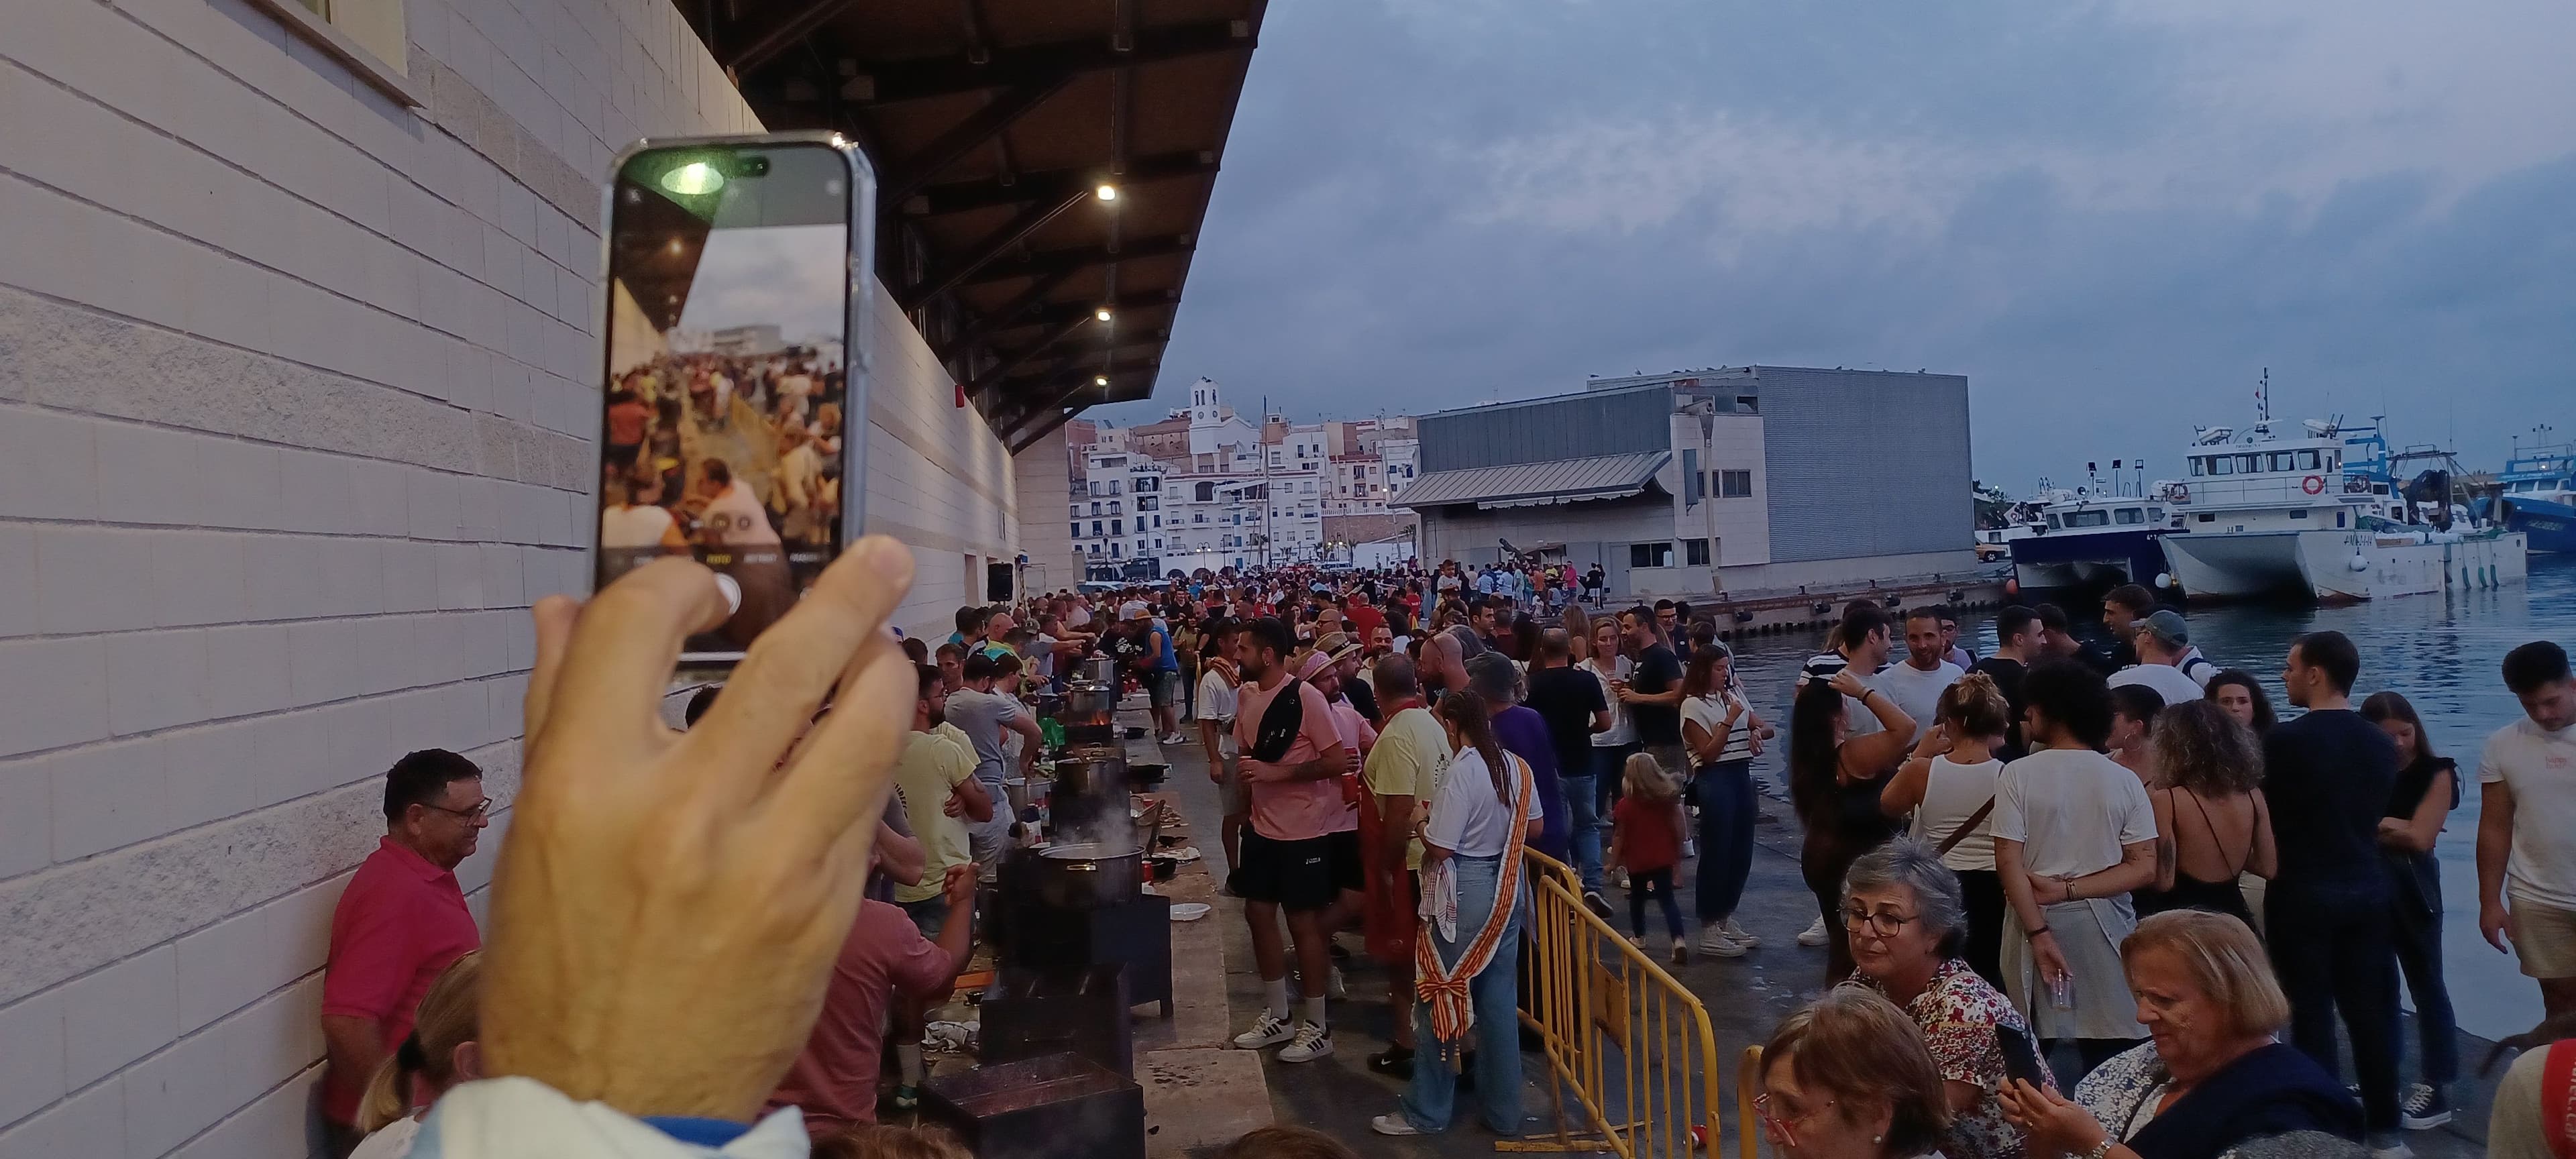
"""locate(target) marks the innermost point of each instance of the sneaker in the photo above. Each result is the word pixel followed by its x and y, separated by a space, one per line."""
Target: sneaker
pixel 1313 1041
pixel 1333 987
pixel 1637 940
pixel 1814 935
pixel 1592 900
pixel 1681 952
pixel 2389 1147
pixel 1715 942
pixel 1271 1030
pixel 1743 937
pixel 1619 877
pixel 1394 1060
pixel 907 1099
pixel 1392 1125
pixel 2423 1108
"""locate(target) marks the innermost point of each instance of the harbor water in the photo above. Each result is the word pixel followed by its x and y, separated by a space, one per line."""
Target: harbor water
pixel 2442 653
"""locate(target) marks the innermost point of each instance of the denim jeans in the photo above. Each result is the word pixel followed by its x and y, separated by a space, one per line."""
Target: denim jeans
pixel 1609 772
pixel 1583 813
pixel 1726 813
pixel 1431 1100
pixel 2415 888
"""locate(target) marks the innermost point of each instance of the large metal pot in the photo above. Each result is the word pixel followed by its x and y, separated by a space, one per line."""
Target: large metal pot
pixel 1088 703
pixel 1100 669
pixel 1088 801
pixel 1088 876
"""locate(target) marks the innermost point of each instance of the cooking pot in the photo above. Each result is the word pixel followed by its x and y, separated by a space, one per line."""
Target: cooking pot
pixel 1099 669
pixel 1088 703
pixel 1088 876
pixel 1090 788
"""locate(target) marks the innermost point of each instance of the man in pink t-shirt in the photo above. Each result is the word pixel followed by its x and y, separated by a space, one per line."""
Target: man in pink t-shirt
pixel 885 957
pixel 1297 854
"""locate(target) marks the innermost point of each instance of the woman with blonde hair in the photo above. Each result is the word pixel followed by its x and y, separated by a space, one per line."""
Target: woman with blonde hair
pixel 1847 1077
pixel 440 1053
pixel 2210 1081
pixel 2212 824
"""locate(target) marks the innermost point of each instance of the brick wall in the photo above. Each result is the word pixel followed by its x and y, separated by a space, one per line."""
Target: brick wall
pixel 295 417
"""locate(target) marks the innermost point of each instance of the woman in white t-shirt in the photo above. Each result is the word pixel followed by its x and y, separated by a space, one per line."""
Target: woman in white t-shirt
pixel 1470 830
pixel 1610 747
pixel 1722 734
pixel 1949 785
pixel 635 519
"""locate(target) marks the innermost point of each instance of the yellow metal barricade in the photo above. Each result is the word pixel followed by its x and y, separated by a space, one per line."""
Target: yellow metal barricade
pixel 1630 1043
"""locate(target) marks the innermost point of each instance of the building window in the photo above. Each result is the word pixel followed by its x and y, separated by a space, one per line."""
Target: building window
pixel 1095 508
pixel 1077 531
pixel 1146 503
pixel 1735 484
pixel 1113 551
pixel 369 36
pixel 1206 492
pixel 1695 552
pixel 1117 527
pixel 1095 527
pixel 1113 507
pixel 1650 554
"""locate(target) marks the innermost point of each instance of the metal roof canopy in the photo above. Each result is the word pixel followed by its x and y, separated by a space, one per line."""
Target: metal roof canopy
pixel 1537 484
pixel 992 124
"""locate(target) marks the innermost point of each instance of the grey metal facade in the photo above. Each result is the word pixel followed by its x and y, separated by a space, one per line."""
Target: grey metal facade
pixel 1571 426
pixel 1865 462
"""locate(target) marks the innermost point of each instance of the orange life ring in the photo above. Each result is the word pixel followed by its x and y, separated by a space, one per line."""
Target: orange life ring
pixel 2313 485
pixel 2181 493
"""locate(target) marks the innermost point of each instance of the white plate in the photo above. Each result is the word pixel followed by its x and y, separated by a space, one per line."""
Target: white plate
pixel 1190 911
pixel 1185 854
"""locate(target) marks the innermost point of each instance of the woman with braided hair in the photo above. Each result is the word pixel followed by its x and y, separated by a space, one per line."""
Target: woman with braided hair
pixel 1474 903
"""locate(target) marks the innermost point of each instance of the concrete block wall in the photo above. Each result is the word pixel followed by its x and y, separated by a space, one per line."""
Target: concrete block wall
pixel 296 404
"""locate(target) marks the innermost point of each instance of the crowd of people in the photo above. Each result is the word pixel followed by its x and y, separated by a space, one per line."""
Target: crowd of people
pixel 2031 868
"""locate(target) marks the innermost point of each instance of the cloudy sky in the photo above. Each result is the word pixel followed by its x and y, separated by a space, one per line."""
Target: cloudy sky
pixel 2110 216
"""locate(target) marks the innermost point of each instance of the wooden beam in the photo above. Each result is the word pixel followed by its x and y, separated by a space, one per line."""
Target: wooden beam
pixel 767 45
pixel 887 82
pixel 966 136
pixel 1046 262
pixel 1008 313
pixel 1062 312
pixel 1048 184
pixel 1012 233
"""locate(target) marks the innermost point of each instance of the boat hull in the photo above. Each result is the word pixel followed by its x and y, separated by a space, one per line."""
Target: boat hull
pixel 2097 559
pixel 2320 565
pixel 2550 526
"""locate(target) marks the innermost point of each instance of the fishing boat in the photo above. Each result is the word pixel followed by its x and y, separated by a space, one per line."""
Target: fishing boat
pixel 2537 494
pixel 2318 514
pixel 2092 538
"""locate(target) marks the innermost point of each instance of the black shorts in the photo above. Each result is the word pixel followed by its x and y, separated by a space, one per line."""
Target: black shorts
pixel 619 455
pixel 1298 876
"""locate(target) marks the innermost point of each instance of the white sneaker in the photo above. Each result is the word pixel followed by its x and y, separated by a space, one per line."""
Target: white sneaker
pixel 2423 1108
pixel 1333 987
pixel 1271 1030
pixel 2389 1147
pixel 1313 1041
pixel 1814 935
pixel 1392 1125
pixel 1715 942
pixel 1743 937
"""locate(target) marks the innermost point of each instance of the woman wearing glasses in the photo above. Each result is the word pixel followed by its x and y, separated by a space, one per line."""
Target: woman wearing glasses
pixel 1847 1078
pixel 1906 917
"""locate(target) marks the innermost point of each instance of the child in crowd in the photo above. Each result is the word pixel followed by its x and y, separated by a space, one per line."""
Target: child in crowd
pixel 1646 841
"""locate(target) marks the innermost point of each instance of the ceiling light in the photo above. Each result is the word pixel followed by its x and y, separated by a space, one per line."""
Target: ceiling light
pixel 1106 192
pixel 693 179
pixel 1101 313
pixel 1100 380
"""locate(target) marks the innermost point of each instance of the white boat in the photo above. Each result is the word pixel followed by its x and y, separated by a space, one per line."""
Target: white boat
pixel 2092 537
pixel 2262 514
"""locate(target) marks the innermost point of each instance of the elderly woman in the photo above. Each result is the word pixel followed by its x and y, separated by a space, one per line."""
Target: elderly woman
pixel 1907 920
pixel 1847 1077
pixel 2210 1082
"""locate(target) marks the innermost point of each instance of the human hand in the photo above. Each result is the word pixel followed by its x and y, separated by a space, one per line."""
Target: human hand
pixel 1849 684
pixel 2051 961
pixel 1935 742
pixel 2054 1124
pixel 958 884
pixel 2492 924
pixel 2049 890
pixel 668 906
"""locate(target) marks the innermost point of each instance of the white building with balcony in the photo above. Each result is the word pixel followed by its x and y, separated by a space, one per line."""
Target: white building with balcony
pixel 1117 517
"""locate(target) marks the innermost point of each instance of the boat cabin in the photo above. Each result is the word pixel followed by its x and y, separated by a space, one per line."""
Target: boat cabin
pixel 2283 485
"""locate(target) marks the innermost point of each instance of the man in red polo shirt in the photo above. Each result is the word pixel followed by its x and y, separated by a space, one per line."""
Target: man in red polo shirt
pixel 400 922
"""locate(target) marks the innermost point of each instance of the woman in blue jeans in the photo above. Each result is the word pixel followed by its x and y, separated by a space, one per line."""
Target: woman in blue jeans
pixel 1723 735
pixel 2428 788
pixel 1485 812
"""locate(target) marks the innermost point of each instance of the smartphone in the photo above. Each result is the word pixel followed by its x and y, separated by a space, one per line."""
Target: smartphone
pixel 734 369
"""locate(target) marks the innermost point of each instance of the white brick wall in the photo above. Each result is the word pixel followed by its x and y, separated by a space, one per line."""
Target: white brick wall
pixel 295 406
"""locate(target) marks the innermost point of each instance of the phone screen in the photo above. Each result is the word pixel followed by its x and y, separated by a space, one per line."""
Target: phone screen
pixel 727 399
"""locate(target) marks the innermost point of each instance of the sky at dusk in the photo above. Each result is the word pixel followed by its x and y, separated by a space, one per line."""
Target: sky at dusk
pixel 2110 216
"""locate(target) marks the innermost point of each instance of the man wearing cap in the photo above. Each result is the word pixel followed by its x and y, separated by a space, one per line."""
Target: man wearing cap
pixel 1343 651
pixel 2161 640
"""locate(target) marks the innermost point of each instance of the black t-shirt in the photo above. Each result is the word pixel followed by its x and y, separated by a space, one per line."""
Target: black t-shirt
pixel 1657 670
pixel 1363 698
pixel 1566 698
pixel 2328 777
pixel 2007 676
pixel 2415 780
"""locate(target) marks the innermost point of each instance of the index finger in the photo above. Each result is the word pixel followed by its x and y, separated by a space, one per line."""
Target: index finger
pixel 625 645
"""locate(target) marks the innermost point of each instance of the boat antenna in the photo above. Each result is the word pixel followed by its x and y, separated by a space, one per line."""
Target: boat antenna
pixel 2263 397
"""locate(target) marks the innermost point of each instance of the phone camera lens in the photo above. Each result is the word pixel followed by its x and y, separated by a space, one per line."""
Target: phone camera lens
pixel 752 166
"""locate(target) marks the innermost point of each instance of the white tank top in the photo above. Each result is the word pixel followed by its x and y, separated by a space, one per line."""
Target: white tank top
pixel 1950 794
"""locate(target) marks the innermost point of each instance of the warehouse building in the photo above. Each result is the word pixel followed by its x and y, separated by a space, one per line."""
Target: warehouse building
pixel 1739 479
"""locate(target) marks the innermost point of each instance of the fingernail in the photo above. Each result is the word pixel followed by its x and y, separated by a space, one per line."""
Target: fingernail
pixel 888 558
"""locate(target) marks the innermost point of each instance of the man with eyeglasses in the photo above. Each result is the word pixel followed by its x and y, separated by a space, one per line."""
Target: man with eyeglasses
pixel 400 922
